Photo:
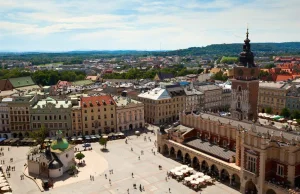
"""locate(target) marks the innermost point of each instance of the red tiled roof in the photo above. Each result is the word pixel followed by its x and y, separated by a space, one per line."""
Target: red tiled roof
pixel 96 100
pixel 283 77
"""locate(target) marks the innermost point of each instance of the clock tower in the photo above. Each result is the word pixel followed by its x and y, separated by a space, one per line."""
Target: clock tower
pixel 245 85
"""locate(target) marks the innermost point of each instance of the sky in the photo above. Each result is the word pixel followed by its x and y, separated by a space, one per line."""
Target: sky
pixel 67 25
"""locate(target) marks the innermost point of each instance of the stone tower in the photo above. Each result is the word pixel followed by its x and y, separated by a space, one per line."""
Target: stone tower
pixel 245 85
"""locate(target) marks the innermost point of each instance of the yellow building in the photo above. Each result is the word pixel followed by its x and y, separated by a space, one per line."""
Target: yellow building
pixel 98 114
pixel 162 105
pixel 272 95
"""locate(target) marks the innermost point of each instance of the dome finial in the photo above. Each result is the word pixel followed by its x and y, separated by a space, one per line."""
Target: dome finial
pixel 247 34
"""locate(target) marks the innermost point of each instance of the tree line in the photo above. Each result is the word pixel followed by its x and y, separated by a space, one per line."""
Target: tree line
pixel 134 73
pixel 43 77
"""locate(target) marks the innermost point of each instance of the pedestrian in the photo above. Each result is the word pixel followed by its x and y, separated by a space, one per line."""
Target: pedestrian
pixel 105 176
pixel 112 171
pixel 166 179
pixel 140 187
pixel 131 149
pixel 21 177
pixel 132 175
pixel 169 190
pixel 90 177
pixel 143 188
pixel 139 157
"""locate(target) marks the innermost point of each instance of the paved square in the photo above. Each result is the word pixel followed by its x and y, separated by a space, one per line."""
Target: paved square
pixel 123 161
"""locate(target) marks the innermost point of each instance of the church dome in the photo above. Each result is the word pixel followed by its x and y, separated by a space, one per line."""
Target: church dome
pixel 60 143
pixel 55 165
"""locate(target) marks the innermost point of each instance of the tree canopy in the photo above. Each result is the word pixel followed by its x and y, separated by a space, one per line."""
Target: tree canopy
pixel 285 112
pixel 40 135
pixel 103 142
pixel 79 156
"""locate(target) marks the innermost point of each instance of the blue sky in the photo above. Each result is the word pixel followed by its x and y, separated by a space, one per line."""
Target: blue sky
pixel 64 25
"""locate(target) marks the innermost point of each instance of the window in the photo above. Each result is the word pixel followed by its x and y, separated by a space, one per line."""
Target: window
pixel 105 123
pixel 224 143
pixel 73 114
pixel 112 116
pixel 112 123
pixel 85 118
pixel 98 109
pixel 280 170
pixel 32 117
pixel 251 163
pixel 65 117
pixel 46 117
pixel 92 117
pixel 105 116
pixel 104 109
pixel 92 110
pixel 85 111
pixel 98 116
pixel 59 117
pixel 85 125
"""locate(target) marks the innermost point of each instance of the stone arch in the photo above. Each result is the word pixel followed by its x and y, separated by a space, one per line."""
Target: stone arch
pixel 165 150
pixel 179 155
pixel 5 136
pixel 196 163
pixel 187 158
pixel 172 152
pixel 225 177
pixel 214 170
pixel 204 166
pixel 20 135
pixel 250 187
pixel 270 191
pixel 236 181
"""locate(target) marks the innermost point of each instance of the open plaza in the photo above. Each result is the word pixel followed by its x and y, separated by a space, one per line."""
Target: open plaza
pixel 112 171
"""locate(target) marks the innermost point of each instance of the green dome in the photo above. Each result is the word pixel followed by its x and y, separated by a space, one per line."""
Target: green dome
pixel 60 144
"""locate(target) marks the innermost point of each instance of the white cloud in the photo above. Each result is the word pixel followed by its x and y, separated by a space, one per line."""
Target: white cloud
pixel 143 24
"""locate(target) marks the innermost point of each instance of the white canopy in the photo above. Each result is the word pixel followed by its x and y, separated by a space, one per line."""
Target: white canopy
pixel 206 177
pixel 200 180
pixel 184 171
pixel 3 184
pixel 194 176
pixel 188 178
pixel 173 170
pixel 178 173
pixel 184 166
pixel 194 182
pixel 6 188
pixel 178 168
pixel 199 174
pixel 289 121
pixel 190 169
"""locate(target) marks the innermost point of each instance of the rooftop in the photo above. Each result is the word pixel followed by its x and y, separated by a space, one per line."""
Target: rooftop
pixel 21 81
pixel 274 85
pixel 211 149
pixel 97 100
pixel 155 94
pixel 123 101
pixel 82 82
pixel 208 87
pixel 57 103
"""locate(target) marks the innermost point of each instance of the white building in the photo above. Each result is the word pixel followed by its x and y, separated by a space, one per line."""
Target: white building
pixel 130 113
pixel 57 159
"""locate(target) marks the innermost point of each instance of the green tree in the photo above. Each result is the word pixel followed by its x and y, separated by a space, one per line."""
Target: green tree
pixel 40 135
pixel 285 112
pixel 295 114
pixel 103 142
pixel 79 156
pixel 269 110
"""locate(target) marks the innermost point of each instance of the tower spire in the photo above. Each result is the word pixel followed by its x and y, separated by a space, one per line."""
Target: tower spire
pixel 247 34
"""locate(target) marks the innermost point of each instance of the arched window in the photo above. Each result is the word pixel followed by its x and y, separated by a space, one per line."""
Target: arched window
pixel 239 88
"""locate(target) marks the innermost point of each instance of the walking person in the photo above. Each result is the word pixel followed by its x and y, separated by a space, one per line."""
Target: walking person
pixel 105 176
pixel 132 175
pixel 169 190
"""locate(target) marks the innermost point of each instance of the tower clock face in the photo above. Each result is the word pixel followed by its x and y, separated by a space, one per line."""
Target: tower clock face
pixel 252 71
pixel 240 72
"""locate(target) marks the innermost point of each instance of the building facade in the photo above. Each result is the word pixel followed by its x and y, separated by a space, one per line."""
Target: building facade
pixel 98 114
pixel 212 97
pixel 19 115
pixel 256 160
pixel 4 115
pixel 293 98
pixel 245 85
pixel 272 95
pixel 162 105
pixel 130 114
pixel 194 100
pixel 53 114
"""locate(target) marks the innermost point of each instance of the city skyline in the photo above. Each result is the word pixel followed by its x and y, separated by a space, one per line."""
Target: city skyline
pixel 142 25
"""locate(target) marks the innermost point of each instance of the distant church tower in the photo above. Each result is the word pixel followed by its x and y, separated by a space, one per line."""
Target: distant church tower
pixel 245 85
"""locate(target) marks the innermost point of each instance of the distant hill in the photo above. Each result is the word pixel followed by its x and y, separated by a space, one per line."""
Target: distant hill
pixel 235 49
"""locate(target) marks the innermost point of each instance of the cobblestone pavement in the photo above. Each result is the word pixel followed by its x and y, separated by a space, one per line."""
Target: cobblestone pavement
pixel 123 162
